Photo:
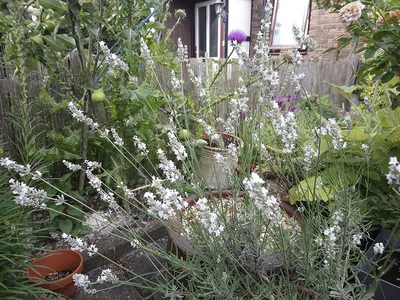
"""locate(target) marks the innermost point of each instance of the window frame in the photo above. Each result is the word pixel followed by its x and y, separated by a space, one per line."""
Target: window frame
pixel 208 5
pixel 304 28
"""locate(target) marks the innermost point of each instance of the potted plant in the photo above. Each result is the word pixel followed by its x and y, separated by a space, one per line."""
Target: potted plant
pixel 388 286
pixel 54 271
pixel 219 160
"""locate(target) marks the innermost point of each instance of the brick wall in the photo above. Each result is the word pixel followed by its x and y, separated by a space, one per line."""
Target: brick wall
pixel 257 15
pixel 325 28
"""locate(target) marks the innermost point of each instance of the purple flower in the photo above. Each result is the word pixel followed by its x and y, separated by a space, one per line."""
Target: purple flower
pixel 237 36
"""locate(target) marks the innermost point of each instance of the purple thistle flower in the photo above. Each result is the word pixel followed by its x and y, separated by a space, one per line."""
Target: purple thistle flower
pixel 237 36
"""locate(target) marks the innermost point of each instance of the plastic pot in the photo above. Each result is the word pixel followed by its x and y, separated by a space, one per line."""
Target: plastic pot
pixel 58 260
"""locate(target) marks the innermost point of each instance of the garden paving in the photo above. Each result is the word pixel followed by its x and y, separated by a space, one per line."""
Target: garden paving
pixel 134 260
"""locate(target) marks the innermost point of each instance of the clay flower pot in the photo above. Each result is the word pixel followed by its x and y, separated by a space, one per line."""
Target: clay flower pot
pixel 215 174
pixel 58 260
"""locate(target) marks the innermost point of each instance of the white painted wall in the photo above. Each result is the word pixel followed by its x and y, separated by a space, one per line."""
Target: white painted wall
pixel 239 17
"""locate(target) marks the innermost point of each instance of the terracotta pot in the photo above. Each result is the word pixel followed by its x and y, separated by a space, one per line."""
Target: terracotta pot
pixel 58 260
pixel 215 174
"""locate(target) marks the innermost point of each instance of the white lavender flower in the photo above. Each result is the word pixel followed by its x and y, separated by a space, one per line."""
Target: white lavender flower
pixel 140 145
pixel 393 177
pixel 135 243
pixel 13 166
pixel 378 248
pixel 173 295
pixel 309 155
pixel 365 148
pixel 112 59
pixel 78 115
pixel 176 83
pixel 219 158
pixel 60 200
pixel 170 171
pixel 170 201
pixel 81 280
pixel 268 204
pixel 177 147
pixel 284 126
pixel 145 53
pixel 72 167
pixel 25 195
pixel 117 139
pixel 181 51
pixel 92 250
pixel 107 276
pixel 331 129
pixel 76 244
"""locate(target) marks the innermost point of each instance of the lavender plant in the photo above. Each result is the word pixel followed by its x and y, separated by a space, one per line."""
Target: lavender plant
pixel 240 244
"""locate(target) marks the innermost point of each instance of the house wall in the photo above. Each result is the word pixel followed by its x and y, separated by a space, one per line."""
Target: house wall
pixel 325 28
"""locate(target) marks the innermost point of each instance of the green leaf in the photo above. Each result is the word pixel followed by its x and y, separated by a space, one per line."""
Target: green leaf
pixel 56 5
pixel 345 91
pixel 305 191
pixel 370 52
pixel 65 225
pixel 387 77
pixel 55 212
pixel 76 212
pixel 55 44
pixel 156 25
pixel 67 40
pixel 356 134
pixel 88 6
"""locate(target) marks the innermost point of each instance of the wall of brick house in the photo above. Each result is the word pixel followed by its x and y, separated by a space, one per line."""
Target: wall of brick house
pixel 325 28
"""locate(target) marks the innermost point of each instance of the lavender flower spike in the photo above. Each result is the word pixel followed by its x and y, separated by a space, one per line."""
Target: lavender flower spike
pixel 237 36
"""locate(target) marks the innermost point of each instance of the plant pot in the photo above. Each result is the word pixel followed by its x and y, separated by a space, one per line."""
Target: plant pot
pixel 58 260
pixel 213 173
pixel 385 289
pixel 180 245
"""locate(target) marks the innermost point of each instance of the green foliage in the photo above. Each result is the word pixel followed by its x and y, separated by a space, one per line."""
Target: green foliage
pixel 17 239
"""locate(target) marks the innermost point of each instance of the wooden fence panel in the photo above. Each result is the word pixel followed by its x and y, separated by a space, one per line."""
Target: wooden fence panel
pixel 317 76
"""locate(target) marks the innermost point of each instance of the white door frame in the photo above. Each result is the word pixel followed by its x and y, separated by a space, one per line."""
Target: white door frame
pixel 206 4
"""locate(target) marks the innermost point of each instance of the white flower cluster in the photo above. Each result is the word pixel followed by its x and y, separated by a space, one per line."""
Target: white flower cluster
pixel 309 154
pixel 81 280
pixel 268 204
pixel 209 130
pixel 25 195
pixel 331 128
pixel 181 51
pixel 13 166
pixel 107 276
pixel 112 59
pixel 71 166
pixel 145 53
pixel 130 194
pixel 393 177
pixel 117 139
pixel 351 12
pixel 170 171
pixel 284 126
pixel 239 106
pixel 176 83
pixel 208 219
pixel 78 115
pixel 77 244
pixel 365 148
pixel 96 183
pixel 378 248
pixel 140 145
pixel 176 146
pixel 302 39
pixel 170 201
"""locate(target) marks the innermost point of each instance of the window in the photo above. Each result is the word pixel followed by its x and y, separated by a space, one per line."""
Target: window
pixel 208 30
pixel 287 13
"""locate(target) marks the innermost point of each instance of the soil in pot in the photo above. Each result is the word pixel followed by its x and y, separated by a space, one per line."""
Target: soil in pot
pixel 57 275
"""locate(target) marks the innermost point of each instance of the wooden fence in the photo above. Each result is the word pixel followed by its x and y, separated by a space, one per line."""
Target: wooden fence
pixel 317 76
